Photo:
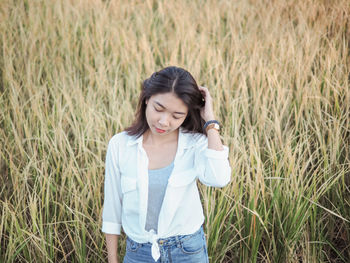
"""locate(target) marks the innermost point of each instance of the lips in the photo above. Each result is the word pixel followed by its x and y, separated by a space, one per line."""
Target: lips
pixel 160 130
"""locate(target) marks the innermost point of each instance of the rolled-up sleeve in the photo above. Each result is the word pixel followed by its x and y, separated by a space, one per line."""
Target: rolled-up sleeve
pixel 112 208
pixel 212 166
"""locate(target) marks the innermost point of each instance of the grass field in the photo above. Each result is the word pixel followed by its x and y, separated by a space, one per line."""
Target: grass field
pixel 279 72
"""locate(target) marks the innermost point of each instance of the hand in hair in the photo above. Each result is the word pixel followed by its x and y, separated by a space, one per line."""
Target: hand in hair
pixel 207 112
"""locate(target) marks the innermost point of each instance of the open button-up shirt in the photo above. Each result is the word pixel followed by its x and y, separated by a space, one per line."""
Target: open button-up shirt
pixel 126 187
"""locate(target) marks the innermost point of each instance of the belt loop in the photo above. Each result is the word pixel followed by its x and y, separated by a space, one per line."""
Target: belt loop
pixel 178 244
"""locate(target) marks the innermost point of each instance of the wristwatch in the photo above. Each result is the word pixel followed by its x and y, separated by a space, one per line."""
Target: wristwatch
pixel 212 124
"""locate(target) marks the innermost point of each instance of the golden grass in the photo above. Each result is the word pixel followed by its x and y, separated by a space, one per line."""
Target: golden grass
pixel 278 72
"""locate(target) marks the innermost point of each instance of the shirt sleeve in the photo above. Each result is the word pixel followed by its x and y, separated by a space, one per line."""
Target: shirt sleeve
pixel 111 216
pixel 212 166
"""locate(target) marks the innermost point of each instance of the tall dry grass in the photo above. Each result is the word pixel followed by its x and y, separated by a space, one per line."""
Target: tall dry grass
pixel 279 74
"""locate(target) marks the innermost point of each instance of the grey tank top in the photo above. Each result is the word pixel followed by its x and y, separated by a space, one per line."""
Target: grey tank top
pixel 157 184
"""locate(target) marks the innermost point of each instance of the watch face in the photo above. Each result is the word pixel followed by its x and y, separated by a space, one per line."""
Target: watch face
pixel 213 126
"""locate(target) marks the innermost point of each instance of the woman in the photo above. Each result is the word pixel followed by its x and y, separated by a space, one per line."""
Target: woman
pixel 151 172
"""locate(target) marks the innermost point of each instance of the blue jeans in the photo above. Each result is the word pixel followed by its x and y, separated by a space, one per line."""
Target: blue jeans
pixel 177 249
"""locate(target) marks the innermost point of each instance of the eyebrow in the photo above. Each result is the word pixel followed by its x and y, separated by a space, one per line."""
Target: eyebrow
pixel 177 112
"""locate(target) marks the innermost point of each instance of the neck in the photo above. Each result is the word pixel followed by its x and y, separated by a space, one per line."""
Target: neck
pixel 158 140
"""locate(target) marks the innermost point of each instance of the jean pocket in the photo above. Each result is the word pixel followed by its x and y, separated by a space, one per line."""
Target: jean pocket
pixel 193 245
pixel 131 245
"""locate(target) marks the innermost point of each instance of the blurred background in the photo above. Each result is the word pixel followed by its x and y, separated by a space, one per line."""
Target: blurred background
pixel 278 71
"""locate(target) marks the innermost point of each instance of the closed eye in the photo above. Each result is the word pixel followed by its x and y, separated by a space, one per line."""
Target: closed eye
pixel 176 118
pixel 158 110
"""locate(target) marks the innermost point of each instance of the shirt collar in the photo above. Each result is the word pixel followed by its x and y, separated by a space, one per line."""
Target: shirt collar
pixel 134 140
pixel 186 139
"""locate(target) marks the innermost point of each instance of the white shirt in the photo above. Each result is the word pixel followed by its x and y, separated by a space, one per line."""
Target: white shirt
pixel 126 187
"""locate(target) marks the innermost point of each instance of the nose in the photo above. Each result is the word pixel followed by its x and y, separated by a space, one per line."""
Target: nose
pixel 164 120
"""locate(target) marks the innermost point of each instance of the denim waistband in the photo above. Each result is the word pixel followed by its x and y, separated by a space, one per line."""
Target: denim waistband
pixel 163 243
pixel 169 241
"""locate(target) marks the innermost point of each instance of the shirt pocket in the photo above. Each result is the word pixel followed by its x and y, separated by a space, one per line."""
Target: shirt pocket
pixel 128 184
pixel 182 192
pixel 130 195
pixel 183 179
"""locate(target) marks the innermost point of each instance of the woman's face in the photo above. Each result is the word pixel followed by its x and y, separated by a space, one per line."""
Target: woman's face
pixel 165 113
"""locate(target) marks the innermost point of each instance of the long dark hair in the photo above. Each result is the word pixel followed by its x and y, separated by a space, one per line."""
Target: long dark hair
pixel 178 81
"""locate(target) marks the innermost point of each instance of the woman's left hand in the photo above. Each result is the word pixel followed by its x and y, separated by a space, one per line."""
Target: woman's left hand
pixel 207 112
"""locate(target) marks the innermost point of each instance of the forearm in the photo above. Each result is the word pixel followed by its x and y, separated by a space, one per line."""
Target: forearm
pixel 214 140
pixel 207 113
pixel 112 248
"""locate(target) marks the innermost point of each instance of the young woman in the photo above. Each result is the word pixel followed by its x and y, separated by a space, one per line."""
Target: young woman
pixel 152 168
